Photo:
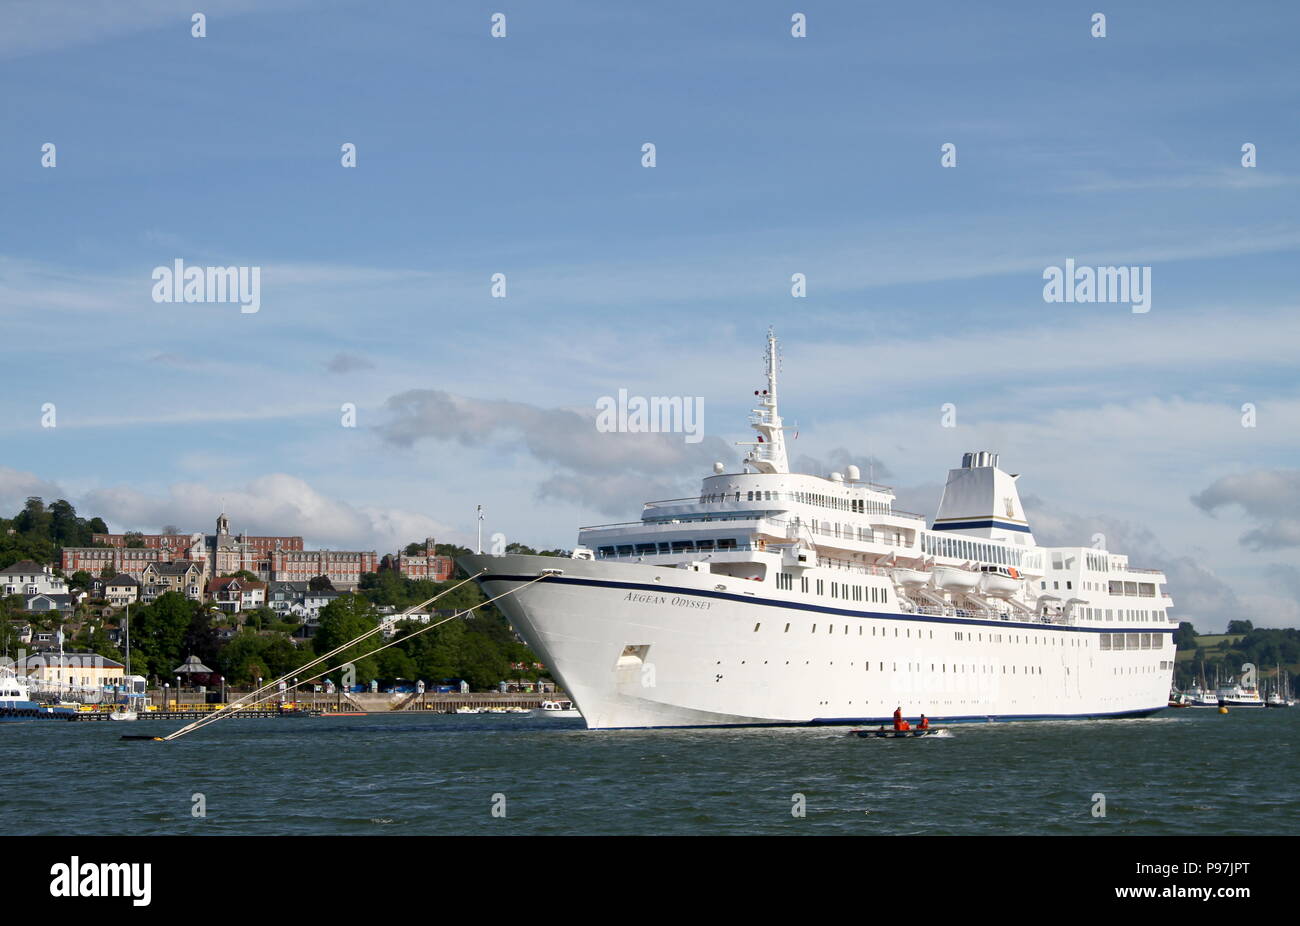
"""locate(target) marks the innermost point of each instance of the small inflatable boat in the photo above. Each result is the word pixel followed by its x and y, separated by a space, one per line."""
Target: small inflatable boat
pixel 889 733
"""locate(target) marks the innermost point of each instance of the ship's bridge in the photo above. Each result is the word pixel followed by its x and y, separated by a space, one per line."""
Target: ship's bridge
pixel 841 517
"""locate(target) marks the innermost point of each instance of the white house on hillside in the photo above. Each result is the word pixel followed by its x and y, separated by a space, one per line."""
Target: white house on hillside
pixel 28 578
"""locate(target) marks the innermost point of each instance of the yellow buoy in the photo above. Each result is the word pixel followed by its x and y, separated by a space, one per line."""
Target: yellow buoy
pixel 1223 710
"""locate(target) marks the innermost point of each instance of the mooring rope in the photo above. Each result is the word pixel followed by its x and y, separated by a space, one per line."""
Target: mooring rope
pixel 236 705
pixel 233 708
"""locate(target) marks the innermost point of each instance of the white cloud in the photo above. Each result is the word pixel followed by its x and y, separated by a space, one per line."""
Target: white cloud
pixel 596 468
pixel 16 486
pixel 1269 496
pixel 33 26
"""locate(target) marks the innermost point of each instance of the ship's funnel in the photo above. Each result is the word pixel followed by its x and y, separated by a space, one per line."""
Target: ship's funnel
pixel 980 500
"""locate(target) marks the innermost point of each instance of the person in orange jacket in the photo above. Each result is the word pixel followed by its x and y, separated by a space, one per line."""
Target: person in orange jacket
pixel 924 724
pixel 898 718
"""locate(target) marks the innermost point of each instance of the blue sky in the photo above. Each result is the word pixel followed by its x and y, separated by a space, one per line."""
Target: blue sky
pixel 775 156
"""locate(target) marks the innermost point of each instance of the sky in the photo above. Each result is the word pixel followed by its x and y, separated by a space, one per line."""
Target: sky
pixel 775 155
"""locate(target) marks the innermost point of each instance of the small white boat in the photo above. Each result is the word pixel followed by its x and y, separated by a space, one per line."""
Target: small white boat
pixel 467 710
pixel 518 710
pixel 123 713
pixel 559 709
pixel 1001 581
pixel 950 577
pixel 1276 697
pixel 1237 696
pixel 910 578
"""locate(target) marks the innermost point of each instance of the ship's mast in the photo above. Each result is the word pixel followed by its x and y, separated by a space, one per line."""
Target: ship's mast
pixel 768 453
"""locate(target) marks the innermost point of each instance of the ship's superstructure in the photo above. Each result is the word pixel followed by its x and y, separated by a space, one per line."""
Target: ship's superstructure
pixel 780 597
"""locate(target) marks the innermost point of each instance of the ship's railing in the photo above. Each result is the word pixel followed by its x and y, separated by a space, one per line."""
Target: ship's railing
pixel 804 527
pixel 693 555
pixel 689 519
pixel 687 555
pixel 789 498
pixel 1149 572
pixel 932 610
pixel 853 567
pixel 851 533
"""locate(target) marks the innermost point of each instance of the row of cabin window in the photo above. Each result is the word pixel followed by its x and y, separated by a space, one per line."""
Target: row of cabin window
pixel 857 505
pixel 1124 615
pixel 866 593
pixel 850 532
pixel 1118 641
pixel 970 637
pixel 668 547
pixel 961 548
pixel 1098 562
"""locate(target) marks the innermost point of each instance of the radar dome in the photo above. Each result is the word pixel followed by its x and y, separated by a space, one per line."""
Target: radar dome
pixel 853 473
pixel 719 469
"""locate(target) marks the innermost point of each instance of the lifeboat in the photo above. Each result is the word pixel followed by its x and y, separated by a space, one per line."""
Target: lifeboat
pixel 1000 585
pixel 910 578
pixel 950 577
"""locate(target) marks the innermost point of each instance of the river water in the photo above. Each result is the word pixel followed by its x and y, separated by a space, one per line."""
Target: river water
pixel 1186 771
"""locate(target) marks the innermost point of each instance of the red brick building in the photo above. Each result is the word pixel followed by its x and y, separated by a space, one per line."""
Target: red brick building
pixel 279 559
pixel 426 565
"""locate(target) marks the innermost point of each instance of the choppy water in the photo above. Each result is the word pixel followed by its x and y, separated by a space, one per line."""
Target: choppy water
pixel 1186 771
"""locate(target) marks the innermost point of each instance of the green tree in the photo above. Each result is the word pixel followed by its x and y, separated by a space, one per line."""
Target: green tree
pixel 1240 627
pixel 201 636
pixel 93 637
pixel 346 618
pixel 34 520
pixel 1185 636
pixel 158 634
pixel 394 663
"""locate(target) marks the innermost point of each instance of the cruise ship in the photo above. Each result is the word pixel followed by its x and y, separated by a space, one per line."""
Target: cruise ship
pixel 776 597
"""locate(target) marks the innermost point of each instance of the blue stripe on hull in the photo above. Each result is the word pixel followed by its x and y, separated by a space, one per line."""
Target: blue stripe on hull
pixel 1001 718
pixel 855 721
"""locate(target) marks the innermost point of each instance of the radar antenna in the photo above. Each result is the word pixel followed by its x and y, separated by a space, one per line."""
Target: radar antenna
pixel 768 454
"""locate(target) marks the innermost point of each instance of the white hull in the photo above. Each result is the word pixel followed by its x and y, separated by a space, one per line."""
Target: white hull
pixel 640 645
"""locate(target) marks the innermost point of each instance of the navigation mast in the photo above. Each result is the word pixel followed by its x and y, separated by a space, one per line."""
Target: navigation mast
pixel 768 453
